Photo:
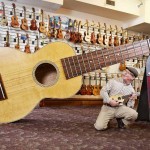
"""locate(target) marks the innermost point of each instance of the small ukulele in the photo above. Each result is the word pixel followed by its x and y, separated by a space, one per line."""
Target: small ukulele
pixel 122 41
pixel 17 46
pixel 48 33
pixel 89 87
pixel 33 25
pixel 83 90
pixel 14 18
pixel 4 21
pixel 87 36
pixel 99 39
pixel 93 39
pixel 105 38
pixel 67 35
pixel 7 44
pixel 42 24
pixel 96 90
pixel 27 46
pixel 116 38
pixel 122 66
pixel 78 35
pixel 72 33
pixel 24 22
pixel 59 31
pixel 110 43
pixel 37 46
pixel 53 33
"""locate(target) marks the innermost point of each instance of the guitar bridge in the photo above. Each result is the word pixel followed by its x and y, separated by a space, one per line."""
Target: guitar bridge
pixel 3 95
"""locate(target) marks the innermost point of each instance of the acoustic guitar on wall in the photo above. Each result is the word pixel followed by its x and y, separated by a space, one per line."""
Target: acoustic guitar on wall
pixel 37 46
pixel 7 44
pixel 27 46
pixel 4 21
pixel 14 18
pixel 33 25
pixel 17 46
pixel 59 31
pixel 24 22
pixel 42 28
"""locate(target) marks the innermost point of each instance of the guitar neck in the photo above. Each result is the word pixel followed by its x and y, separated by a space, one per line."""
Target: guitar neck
pixel 77 65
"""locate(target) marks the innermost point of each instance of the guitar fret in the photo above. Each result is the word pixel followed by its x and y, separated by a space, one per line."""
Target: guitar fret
pixel 103 57
pixel 88 61
pixel 74 65
pixel 98 59
pixel 70 67
pixel 66 68
pixel 121 53
pixel 93 60
pixel 84 63
pixel 79 64
pixel 134 49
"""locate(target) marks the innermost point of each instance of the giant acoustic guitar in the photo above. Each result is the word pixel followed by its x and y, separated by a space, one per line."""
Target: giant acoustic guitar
pixel 52 72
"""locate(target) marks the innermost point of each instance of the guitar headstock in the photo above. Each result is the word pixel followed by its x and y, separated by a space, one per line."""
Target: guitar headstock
pixel 24 8
pixel 3 4
pixel 14 6
pixel 33 9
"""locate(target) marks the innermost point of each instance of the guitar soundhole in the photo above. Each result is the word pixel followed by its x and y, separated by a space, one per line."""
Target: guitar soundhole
pixel 45 74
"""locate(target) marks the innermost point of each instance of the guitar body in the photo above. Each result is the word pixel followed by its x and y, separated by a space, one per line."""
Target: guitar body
pixel 96 90
pixel 4 22
pixel 59 34
pixel 27 49
pixel 22 89
pixel 17 46
pixel 14 22
pixel 7 44
pixel 42 27
pixel 33 25
pixel 24 24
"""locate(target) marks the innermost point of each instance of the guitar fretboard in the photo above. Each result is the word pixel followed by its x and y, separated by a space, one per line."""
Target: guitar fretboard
pixel 77 65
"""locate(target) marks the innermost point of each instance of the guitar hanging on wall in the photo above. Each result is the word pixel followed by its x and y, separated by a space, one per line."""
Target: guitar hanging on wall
pixel 33 25
pixel 53 72
pixel 4 21
pixel 7 44
pixel 42 28
pixel 17 46
pixel 24 22
pixel 14 18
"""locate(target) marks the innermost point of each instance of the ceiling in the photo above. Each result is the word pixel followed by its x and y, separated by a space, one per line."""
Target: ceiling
pixel 143 27
pixel 97 10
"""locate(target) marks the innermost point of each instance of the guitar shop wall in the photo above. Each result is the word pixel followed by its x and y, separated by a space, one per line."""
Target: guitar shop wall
pixel 28 29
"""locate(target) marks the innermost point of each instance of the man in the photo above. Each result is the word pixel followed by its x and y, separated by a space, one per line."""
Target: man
pixel 111 108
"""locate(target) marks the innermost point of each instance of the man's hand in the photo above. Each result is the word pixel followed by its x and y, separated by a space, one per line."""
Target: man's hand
pixel 113 103
pixel 133 96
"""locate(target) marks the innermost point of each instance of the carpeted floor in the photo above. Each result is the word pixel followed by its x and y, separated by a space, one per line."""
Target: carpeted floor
pixel 71 128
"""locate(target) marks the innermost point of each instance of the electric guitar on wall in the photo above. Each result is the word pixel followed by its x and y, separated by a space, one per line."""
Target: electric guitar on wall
pixel 4 21
pixel 14 18
pixel 24 22
pixel 53 72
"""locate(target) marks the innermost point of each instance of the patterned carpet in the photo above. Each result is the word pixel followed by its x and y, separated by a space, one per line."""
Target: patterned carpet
pixel 71 128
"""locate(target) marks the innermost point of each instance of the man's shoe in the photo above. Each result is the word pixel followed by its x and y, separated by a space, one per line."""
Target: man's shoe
pixel 121 125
